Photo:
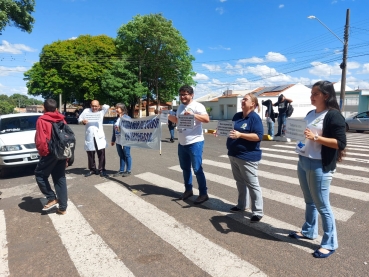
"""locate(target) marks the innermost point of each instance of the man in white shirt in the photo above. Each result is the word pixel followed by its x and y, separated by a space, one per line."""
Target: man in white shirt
pixel 95 140
pixel 191 143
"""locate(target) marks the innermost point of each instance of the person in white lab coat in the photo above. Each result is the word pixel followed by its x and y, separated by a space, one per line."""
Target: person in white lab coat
pixel 95 140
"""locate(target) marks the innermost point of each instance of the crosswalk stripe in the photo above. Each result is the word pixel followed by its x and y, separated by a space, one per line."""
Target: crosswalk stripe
pixel 350 167
pixel 210 257
pixel 291 200
pixel 4 268
pixel 347 177
pixel 334 189
pixel 268 225
pixel 356 144
pixel 357 149
pixel 293 147
pixel 88 251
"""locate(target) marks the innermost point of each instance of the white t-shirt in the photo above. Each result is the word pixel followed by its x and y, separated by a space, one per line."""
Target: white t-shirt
pixel 189 136
pixel 310 148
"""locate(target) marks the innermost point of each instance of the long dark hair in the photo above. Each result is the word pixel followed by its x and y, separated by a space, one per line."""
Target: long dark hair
pixel 327 88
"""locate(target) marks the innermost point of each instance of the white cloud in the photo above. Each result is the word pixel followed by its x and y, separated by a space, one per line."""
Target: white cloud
pixel 325 70
pixel 220 47
pixel 200 76
pixel 365 69
pixel 275 57
pixel 281 6
pixel 6 71
pixel 7 47
pixel 220 10
pixel 72 38
pixel 212 67
pixel 251 60
pixel 199 51
pixel 353 65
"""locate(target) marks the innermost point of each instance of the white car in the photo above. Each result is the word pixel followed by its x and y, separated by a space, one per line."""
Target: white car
pixel 359 122
pixel 17 141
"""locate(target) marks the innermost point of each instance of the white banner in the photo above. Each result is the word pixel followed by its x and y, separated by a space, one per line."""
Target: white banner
pixel 185 121
pixel 224 127
pixel 295 129
pixel 92 117
pixel 141 132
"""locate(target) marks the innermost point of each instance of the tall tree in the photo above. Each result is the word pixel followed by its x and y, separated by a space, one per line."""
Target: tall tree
pixel 121 85
pixel 72 68
pixel 159 53
pixel 17 13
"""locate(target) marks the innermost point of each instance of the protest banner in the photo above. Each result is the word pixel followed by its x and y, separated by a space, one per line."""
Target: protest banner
pixel 141 132
pixel 224 127
pixel 295 129
pixel 164 116
pixel 92 117
pixel 185 121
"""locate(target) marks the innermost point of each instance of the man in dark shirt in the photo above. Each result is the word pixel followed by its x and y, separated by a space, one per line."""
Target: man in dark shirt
pixel 282 110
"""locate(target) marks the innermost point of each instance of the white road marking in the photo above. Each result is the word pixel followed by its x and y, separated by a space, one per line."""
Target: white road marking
pixel 207 255
pixel 293 147
pixel 88 251
pixel 294 201
pixel 4 268
pixel 267 225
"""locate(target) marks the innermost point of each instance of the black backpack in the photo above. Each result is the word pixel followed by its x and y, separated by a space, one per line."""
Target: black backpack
pixel 289 110
pixel 62 142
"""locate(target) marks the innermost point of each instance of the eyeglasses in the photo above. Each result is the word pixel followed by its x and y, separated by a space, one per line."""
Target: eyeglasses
pixel 184 95
pixel 95 106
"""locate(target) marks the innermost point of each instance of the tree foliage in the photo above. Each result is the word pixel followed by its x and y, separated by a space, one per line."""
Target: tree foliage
pixel 154 45
pixel 17 13
pixel 8 103
pixel 72 68
pixel 122 86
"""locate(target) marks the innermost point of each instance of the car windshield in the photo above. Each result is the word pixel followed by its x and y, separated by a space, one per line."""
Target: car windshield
pixel 18 124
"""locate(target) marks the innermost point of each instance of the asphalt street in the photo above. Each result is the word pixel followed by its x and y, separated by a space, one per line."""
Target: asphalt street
pixel 136 226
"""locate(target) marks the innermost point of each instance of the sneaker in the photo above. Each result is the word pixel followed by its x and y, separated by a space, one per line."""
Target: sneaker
pixel 119 173
pixel 50 204
pixel 103 174
pixel 255 218
pixel 236 209
pixel 126 174
pixel 60 212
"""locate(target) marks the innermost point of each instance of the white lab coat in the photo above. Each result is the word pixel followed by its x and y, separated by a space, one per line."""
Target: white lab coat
pixel 94 130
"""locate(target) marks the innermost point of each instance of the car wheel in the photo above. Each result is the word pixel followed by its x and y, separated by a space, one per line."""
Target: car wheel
pixel 359 131
pixel 3 173
pixel 347 127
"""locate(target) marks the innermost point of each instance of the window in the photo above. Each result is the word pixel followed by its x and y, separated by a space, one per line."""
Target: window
pixel 18 123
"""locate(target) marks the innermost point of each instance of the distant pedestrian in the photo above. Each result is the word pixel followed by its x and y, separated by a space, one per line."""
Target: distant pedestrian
pixel 171 126
pixel 191 143
pixel 270 117
pixel 244 153
pixel 124 152
pixel 282 104
pixel 318 154
pixel 95 137
pixel 48 163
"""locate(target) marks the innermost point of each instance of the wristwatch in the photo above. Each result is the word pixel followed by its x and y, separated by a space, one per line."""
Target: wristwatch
pixel 316 137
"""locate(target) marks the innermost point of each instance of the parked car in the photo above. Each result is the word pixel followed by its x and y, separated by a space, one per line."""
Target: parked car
pixel 17 141
pixel 358 122
pixel 71 118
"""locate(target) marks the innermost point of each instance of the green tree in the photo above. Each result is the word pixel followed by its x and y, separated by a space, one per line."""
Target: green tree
pixel 17 13
pixel 121 85
pixel 154 45
pixel 72 68
pixel 6 108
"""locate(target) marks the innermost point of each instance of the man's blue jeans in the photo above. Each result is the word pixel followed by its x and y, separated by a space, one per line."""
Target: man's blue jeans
pixel 171 131
pixel 315 186
pixel 124 154
pixel 270 128
pixel 192 155
pixel 281 122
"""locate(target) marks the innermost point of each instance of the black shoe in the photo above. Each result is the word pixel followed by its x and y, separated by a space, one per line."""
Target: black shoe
pixel 171 140
pixel 236 209
pixel 201 199
pixel 119 173
pixel 277 135
pixel 90 173
pixel 103 174
pixel 186 194
pixel 126 174
pixel 255 218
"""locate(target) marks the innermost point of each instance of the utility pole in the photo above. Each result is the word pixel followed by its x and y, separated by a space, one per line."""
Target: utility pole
pixel 343 65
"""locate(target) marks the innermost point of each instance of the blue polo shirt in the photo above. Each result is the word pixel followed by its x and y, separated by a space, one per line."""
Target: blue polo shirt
pixel 241 148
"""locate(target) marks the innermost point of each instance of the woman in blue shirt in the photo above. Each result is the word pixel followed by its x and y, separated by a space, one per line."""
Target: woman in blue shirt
pixel 244 153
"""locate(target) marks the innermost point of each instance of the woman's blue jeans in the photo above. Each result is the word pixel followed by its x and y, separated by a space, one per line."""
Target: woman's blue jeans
pixel 270 128
pixel 124 154
pixel 192 155
pixel 281 123
pixel 315 186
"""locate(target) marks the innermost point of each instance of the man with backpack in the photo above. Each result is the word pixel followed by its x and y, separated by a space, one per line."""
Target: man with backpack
pixel 282 104
pixel 49 163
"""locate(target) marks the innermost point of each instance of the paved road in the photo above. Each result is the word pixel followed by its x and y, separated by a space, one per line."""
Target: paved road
pixel 135 226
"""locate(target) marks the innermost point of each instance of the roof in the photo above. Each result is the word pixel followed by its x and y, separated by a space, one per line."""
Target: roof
pixel 225 96
pixel 271 91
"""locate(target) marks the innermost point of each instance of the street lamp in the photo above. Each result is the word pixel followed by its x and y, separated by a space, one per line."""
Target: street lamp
pixel 343 65
pixel 139 79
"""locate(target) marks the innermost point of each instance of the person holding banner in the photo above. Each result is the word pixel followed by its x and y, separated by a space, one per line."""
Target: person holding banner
pixel 124 152
pixel 244 153
pixel 324 146
pixel 95 140
pixel 191 142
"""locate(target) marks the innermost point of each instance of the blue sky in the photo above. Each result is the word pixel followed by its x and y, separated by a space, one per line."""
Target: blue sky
pixel 237 44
